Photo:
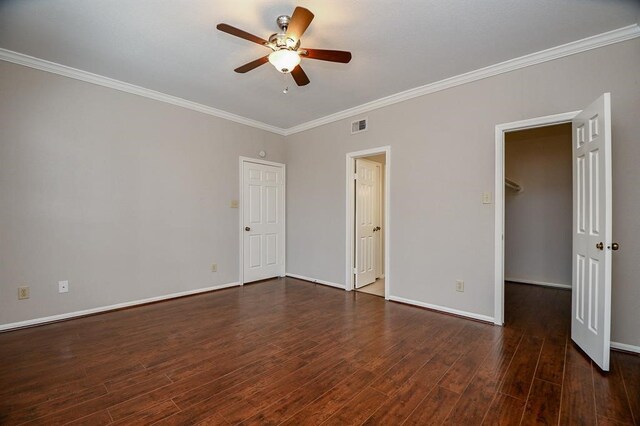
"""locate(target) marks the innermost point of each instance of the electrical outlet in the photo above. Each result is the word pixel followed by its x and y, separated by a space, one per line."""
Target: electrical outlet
pixel 214 267
pixel 23 293
pixel 460 285
pixel 486 198
pixel 63 286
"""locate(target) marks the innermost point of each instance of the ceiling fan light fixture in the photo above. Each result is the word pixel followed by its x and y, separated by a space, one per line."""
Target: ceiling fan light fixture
pixel 284 60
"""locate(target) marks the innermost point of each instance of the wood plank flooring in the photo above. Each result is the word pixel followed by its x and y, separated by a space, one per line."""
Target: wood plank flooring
pixel 290 352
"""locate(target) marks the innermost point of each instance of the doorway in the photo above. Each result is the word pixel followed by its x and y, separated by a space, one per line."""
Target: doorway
pixel 262 220
pixel 368 177
pixel 538 229
pixel 592 245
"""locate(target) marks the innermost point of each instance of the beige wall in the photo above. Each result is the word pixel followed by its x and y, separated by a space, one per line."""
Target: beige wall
pixel 128 198
pixel 125 197
pixel 442 159
pixel 538 226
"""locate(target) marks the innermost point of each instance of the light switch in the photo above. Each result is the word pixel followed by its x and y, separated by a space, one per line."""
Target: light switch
pixel 234 204
pixel 486 198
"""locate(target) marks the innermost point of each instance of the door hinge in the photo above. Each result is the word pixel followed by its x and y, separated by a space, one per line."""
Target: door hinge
pixel 355 270
pixel 355 176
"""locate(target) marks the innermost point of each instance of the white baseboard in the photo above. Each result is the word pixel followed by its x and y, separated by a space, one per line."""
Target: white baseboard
pixel 542 283
pixel 625 347
pixel 314 280
pixel 458 312
pixel 53 318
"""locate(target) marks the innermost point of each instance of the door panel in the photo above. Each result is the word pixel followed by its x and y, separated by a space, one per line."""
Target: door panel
pixel 592 231
pixel 263 214
pixel 366 216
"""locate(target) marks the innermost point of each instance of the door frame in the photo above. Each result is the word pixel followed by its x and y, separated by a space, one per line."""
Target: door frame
pixel 350 214
pixel 500 130
pixel 241 161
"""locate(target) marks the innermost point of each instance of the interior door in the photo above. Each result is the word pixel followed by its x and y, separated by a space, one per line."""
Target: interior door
pixel 591 298
pixel 379 221
pixel 263 221
pixel 366 225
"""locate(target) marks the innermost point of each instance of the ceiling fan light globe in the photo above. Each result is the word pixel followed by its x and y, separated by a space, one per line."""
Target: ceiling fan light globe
pixel 284 60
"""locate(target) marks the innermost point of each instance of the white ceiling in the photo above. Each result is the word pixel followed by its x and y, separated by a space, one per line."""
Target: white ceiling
pixel 172 46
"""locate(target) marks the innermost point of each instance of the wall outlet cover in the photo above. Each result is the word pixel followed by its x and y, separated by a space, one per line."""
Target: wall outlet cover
pixel 460 285
pixel 23 292
pixel 214 267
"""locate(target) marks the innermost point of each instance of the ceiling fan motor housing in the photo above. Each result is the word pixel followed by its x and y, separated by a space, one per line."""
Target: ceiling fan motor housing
pixel 280 41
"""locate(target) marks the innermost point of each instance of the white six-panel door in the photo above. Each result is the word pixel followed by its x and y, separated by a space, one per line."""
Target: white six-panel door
pixel 263 221
pixel 592 239
pixel 367 212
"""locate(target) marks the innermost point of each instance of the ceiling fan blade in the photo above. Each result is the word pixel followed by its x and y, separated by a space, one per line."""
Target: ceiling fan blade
pixel 300 76
pixel 328 55
pixel 253 64
pixel 299 23
pixel 239 33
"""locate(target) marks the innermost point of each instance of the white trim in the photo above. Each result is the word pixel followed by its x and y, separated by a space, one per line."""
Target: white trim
pixel 350 204
pixel 583 45
pixel 625 347
pixel 549 120
pixel 315 280
pixel 593 42
pixel 88 77
pixel 458 312
pixel 534 282
pixel 241 225
pixel 45 320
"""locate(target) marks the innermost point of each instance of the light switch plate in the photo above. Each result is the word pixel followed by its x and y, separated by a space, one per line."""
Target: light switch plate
pixel 486 198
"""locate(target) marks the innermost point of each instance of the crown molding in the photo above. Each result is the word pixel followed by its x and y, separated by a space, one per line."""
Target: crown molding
pixel 589 43
pixel 63 70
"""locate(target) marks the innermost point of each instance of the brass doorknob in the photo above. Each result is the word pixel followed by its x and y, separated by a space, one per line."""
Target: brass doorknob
pixel 614 246
pixel 600 246
pixel 246 228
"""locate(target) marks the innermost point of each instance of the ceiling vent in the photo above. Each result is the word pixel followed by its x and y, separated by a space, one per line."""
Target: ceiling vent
pixel 359 126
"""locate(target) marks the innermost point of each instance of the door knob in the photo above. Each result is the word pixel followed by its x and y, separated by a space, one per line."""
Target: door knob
pixel 600 245
pixel 246 228
pixel 614 246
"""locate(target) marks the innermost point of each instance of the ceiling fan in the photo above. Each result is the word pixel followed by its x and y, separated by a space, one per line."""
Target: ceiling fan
pixel 285 45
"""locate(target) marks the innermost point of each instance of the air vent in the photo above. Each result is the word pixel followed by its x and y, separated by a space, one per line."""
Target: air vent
pixel 359 126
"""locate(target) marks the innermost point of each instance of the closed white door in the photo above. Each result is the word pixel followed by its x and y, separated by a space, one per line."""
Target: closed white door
pixel 263 221
pixel 592 245
pixel 367 212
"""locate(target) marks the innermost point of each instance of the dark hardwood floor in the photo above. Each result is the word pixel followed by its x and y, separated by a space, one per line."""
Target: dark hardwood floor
pixel 291 352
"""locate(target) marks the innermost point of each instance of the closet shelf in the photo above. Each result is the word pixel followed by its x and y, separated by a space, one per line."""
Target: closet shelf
pixel 513 185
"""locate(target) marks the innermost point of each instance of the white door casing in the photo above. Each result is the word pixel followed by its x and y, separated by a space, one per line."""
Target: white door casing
pixel 592 231
pixel 367 212
pixel 263 227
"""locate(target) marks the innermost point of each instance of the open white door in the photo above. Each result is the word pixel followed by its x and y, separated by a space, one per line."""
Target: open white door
pixel 592 239
pixel 366 221
pixel 263 221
